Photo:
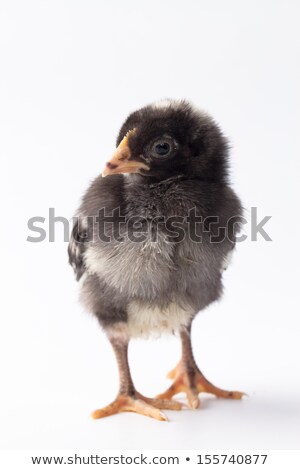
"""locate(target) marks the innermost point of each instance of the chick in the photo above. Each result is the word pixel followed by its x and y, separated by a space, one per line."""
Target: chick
pixel 152 238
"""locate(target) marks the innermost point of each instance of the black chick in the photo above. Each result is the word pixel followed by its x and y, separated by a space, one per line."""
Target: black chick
pixel 152 239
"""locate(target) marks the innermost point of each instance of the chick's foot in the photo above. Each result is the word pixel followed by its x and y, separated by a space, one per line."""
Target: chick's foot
pixel 191 381
pixel 139 404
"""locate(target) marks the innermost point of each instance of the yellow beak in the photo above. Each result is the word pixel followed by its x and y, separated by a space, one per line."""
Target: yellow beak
pixel 120 161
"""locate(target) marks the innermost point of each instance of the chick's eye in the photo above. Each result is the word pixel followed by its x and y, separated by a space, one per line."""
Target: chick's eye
pixel 161 148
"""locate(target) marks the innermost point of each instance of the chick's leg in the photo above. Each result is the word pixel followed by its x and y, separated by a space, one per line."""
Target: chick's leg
pixel 128 399
pixel 189 379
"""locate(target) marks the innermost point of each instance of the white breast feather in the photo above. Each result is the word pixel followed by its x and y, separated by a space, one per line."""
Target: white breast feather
pixel 145 321
pixel 132 267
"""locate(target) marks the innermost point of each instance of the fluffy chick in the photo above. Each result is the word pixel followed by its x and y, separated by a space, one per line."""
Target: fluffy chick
pixel 152 238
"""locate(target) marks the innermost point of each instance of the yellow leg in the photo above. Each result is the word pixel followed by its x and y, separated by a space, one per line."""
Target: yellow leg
pixel 188 379
pixel 128 399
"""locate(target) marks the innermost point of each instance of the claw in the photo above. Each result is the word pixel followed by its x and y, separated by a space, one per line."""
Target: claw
pixel 194 384
pixel 139 404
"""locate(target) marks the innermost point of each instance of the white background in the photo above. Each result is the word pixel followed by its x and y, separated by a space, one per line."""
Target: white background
pixel 71 71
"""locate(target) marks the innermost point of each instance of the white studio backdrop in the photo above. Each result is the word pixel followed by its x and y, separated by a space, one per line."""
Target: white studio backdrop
pixel 71 71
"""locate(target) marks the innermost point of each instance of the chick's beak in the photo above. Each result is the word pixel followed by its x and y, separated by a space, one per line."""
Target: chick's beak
pixel 121 160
